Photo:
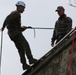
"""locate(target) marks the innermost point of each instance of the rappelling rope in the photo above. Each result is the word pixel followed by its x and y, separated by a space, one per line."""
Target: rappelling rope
pixel 29 27
pixel 1 50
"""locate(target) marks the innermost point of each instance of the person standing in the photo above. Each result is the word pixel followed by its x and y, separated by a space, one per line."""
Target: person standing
pixel 13 24
pixel 62 26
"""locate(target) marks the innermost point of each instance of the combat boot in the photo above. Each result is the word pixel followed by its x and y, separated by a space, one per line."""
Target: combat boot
pixel 32 60
pixel 25 66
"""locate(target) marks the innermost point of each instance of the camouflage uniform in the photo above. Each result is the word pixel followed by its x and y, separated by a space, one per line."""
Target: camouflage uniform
pixel 62 26
pixel 13 23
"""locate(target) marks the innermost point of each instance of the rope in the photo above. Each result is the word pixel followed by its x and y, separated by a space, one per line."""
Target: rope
pixel 29 27
pixel 41 28
pixel 71 54
pixel 1 49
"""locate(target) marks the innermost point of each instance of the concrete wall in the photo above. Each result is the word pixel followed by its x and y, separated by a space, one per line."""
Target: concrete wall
pixel 56 61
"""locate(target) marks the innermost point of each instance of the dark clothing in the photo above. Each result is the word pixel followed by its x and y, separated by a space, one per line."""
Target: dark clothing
pixel 13 23
pixel 23 47
pixel 59 37
pixel 62 26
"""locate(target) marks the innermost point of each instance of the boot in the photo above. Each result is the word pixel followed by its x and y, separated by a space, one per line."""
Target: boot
pixel 32 60
pixel 25 66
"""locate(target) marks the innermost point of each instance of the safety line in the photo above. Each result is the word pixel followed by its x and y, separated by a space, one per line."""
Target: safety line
pixel 29 27
pixel 1 50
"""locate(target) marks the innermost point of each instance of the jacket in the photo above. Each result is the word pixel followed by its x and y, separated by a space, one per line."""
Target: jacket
pixel 13 23
pixel 62 26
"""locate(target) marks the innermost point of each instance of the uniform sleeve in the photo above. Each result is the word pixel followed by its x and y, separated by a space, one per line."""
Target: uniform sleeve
pixel 9 18
pixel 13 15
pixel 68 24
pixel 54 34
pixel 6 21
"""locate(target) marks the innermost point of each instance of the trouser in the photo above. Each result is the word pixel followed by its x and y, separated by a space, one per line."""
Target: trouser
pixel 23 47
pixel 59 37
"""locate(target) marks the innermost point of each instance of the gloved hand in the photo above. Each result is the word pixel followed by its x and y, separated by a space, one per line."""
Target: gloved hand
pixel 2 29
pixel 29 27
pixel 23 28
pixel 52 44
pixel 52 41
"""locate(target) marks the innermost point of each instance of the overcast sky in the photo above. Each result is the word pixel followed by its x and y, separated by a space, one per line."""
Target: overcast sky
pixel 38 13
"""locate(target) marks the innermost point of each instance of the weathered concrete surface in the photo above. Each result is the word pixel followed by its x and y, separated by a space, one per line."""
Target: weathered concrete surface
pixel 56 61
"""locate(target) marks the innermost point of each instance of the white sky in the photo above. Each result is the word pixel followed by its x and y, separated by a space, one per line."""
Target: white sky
pixel 38 13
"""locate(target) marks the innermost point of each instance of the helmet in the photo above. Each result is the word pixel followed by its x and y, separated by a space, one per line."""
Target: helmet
pixel 20 3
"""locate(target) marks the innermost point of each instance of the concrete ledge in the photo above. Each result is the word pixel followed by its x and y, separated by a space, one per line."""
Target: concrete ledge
pixel 54 57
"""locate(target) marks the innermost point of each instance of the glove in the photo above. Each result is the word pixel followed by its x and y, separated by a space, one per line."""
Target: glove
pixel 52 44
pixel 29 27
pixel 23 28
pixel 2 29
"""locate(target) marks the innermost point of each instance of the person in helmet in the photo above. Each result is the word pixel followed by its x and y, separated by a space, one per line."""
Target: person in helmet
pixel 62 26
pixel 13 24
